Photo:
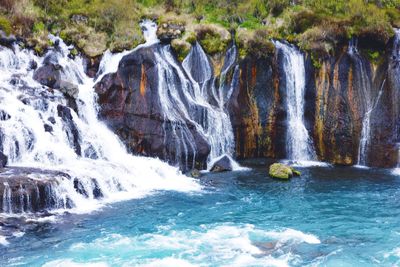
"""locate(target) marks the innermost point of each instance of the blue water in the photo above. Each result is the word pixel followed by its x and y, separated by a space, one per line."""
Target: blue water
pixel 327 217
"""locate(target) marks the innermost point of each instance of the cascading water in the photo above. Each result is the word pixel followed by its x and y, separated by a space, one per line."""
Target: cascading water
pixel 299 144
pixel 369 101
pixel 395 66
pixel 216 122
pixel 43 133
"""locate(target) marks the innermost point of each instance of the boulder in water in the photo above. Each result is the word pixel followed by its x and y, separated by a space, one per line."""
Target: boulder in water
pixel 3 160
pixel 69 88
pixel 282 171
pixel 48 75
pixel 30 190
pixel 224 164
pixel 195 173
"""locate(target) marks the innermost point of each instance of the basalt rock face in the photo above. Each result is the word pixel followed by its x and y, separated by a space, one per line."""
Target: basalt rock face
pixel 349 88
pixel 340 107
pixel 257 110
pixel 385 118
pixel 339 95
pixel 131 105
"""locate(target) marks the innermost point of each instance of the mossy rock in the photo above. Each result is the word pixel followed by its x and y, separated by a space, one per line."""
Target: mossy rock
pixel 195 173
pixel 40 42
pixel 126 37
pixel 92 43
pixel 282 171
pixel 181 48
pixel 256 44
pixel 213 38
pixel 295 172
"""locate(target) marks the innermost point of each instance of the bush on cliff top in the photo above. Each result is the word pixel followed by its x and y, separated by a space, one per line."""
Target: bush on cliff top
pixel 304 21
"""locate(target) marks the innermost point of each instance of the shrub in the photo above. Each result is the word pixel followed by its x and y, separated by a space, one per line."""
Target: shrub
pixel 214 39
pixel 181 48
pixel 254 43
pixel 5 25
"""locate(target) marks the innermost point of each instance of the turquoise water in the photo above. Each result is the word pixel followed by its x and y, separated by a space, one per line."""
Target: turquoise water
pixel 327 217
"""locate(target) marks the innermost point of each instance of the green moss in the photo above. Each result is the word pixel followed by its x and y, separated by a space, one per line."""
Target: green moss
pixel 256 44
pixel 191 38
pixel 39 27
pixel 212 38
pixel 74 52
pixel 5 25
pixel 181 48
pixel 280 171
pixel 125 37
pixel 374 56
pixel 309 23
pixel 316 61
pixel 91 42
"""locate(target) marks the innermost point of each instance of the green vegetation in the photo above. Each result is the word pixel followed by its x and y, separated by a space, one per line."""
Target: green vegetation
pixel 318 26
pixel 5 25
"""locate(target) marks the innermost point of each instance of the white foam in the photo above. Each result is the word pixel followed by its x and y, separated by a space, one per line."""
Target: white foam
pixel 361 167
pixel 3 241
pixel 149 29
pixel 306 163
pixel 169 262
pixel 235 165
pixel 71 263
pixel 220 245
pixel 293 235
pixel 396 171
pixel 118 174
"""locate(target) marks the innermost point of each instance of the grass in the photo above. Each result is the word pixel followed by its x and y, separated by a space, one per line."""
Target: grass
pixel 318 26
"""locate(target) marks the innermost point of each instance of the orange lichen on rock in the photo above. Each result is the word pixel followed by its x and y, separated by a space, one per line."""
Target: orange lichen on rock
pixel 143 82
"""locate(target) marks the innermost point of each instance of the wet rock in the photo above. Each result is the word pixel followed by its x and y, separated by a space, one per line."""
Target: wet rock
pixel 91 153
pixel 222 165
pixel 52 120
pixel 7 41
pixel 48 128
pixel 4 116
pixel 70 127
pixel 130 104
pixel 29 190
pixel 169 31
pixel 91 65
pixel 33 65
pixel 77 18
pixel 48 75
pixel 257 110
pixel 96 190
pixel 280 171
pixel 69 88
pixel 3 160
pixel 195 173
pixel 80 188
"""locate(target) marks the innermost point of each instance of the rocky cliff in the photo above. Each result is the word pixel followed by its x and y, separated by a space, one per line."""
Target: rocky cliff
pixel 350 109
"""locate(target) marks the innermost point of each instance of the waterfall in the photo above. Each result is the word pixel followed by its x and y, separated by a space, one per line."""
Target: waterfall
pixel 395 66
pixel 184 99
pixel 43 132
pixel 369 101
pixel 7 205
pixel 216 124
pixel 366 130
pixel 299 144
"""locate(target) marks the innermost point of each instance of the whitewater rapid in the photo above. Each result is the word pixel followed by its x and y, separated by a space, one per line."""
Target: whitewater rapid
pixel 103 163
